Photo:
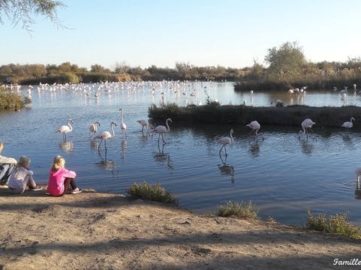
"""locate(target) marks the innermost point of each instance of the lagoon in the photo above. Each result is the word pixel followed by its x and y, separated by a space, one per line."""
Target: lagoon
pixel 282 175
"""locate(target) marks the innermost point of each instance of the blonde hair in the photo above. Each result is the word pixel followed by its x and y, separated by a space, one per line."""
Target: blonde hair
pixel 56 162
pixel 24 161
pixel 1 147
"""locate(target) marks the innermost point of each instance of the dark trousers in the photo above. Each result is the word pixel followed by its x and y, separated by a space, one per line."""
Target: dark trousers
pixel 69 184
pixel 5 171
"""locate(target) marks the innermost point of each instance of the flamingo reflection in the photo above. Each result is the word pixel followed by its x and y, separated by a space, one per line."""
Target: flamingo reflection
pixel 358 184
pixel 162 157
pixel 67 146
pixel 226 169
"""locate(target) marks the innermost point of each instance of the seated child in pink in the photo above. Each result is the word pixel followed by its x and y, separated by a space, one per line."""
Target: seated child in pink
pixel 61 179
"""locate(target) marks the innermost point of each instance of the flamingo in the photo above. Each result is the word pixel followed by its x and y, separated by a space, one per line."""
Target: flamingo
pixel 106 135
pixel 306 124
pixel 66 129
pixel 255 127
pixel 348 124
pixel 143 123
pixel 123 126
pixel 225 141
pixel 163 129
pixel 93 128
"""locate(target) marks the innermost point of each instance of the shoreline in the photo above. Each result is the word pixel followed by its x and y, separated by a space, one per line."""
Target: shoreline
pixel 93 230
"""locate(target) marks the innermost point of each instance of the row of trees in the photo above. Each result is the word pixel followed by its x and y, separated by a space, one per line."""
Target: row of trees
pixel 70 73
pixel 287 67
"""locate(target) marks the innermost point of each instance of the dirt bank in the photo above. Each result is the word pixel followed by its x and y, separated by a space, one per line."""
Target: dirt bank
pixel 107 231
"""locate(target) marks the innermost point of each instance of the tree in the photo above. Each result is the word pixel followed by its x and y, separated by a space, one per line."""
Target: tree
pixel 285 62
pixel 24 10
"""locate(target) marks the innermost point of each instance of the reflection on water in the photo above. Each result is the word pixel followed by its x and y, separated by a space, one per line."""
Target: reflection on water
pixel 306 146
pixel 226 169
pixel 163 158
pixel 282 174
pixel 67 146
pixel 358 187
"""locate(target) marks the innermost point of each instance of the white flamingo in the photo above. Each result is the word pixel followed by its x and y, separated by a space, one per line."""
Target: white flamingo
pixel 143 123
pixel 106 135
pixel 93 128
pixel 123 126
pixel 65 129
pixel 254 126
pixel 163 129
pixel 306 124
pixel 348 124
pixel 225 141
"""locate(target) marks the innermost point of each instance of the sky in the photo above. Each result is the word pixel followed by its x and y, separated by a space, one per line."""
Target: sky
pixel 230 33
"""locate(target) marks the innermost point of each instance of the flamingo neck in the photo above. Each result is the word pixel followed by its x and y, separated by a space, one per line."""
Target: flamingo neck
pixel 70 126
pixel 121 114
pixel 166 123
pixel 113 130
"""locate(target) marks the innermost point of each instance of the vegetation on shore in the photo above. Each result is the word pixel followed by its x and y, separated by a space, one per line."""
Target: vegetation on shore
pixel 238 210
pixel 10 101
pixel 151 192
pixel 287 68
pixel 336 224
pixel 213 113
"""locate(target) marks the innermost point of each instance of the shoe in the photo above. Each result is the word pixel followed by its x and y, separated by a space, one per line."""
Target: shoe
pixel 76 191
pixel 37 189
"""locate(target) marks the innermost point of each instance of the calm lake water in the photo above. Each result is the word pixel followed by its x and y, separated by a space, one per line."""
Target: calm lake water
pixel 282 175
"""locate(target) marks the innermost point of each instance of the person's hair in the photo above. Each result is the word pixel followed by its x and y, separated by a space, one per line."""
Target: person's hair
pixel 56 163
pixel 1 147
pixel 24 161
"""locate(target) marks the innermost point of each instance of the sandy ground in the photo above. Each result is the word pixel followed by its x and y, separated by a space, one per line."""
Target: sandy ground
pixel 108 231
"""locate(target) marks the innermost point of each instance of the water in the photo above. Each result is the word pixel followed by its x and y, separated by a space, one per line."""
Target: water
pixel 282 175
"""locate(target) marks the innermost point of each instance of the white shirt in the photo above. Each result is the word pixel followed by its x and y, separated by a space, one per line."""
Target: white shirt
pixel 7 160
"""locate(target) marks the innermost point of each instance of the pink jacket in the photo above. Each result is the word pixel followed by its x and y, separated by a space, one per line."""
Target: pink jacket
pixel 57 179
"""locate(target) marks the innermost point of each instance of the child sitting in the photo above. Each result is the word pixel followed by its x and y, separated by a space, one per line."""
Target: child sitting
pixel 61 179
pixel 21 177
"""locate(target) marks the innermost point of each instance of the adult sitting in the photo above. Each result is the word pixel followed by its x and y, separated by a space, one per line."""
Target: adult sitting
pixel 6 166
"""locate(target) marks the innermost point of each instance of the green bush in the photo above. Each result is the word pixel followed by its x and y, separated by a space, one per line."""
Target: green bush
pixel 151 192
pixel 337 224
pixel 10 101
pixel 239 210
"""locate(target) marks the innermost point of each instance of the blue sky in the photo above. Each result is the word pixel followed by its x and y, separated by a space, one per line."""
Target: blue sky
pixel 200 32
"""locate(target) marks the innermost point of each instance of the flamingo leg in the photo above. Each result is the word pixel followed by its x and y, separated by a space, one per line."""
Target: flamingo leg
pixel 220 150
pixel 100 145
pixel 163 139
pixel 225 151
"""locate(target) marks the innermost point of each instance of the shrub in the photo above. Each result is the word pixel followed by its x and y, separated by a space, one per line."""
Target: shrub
pixel 151 192
pixel 337 224
pixel 10 101
pixel 239 210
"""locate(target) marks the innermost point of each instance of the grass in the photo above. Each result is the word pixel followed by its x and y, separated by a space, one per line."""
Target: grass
pixel 239 114
pixel 150 192
pixel 238 210
pixel 337 224
pixel 10 101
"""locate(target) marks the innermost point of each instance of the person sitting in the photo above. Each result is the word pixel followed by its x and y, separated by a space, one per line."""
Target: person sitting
pixel 6 166
pixel 61 180
pixel 21 177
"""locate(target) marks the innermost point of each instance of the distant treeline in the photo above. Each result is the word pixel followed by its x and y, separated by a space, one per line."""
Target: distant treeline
pixel 288 68
pixel 70 73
